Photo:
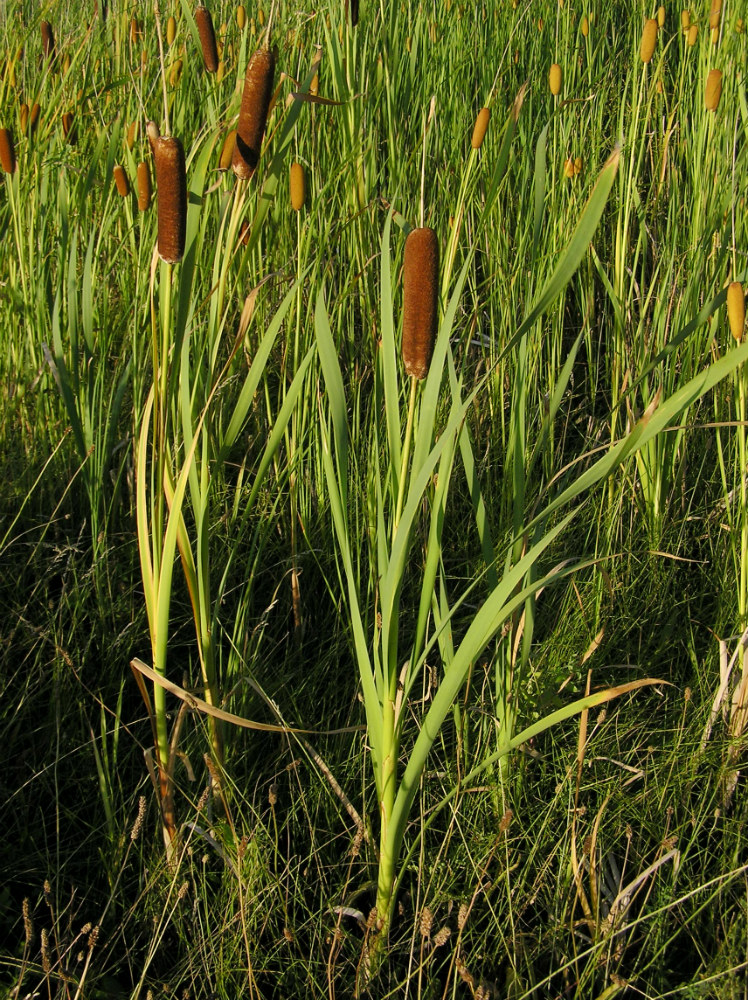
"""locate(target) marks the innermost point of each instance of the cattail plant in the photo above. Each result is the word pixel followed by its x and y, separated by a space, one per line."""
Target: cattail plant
pixel 692 35
pixel 7 151
pixel 713 89
pixel 241 17
pixel 48 41
pixel 420 300
pixel 144 187
pixel 227 150
pixel 135 31
pixel 297 183
pixel 649 40
pixel 736 310
pixel 258 89
pixel 554 79
pixel 661 16
pixel 24 115
pixel 120 179
pixel 171 182
pixel 68 123
pixel 132 134
pixel 175 72
pixel 685 20
pixel 351 7
pixel 207 38
pixel 479 130
pixel 171 31
pixel 715 13
pixel 585 26
pixel 34 116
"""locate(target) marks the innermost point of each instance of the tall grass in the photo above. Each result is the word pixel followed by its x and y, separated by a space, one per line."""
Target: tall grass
pixel 392 637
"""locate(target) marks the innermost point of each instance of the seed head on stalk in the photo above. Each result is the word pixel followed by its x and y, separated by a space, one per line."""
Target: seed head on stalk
pixel 258 89
pixel 736 310
pixel 207 38
pixel 713 91
pixel 479 131
pixel 171 182
pixel 7 151
pixel 649 40
pixel 420 300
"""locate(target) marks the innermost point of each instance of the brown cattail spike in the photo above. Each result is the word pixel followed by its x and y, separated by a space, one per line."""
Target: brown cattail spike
pixel 715 12
pixel 144 187
pixel 207 38
pixel 298 186
pixel 713 89
pixel 171 181
pixel 67 126
pixel 554 79
pixel 227 150
pixel 258 89
pixel 736 309
pixel 34 116
pixel 420 300
pixel 7 151
pixel 24 115
pixel 48 40
pixel 479 131
pixel 120 179
pixel 649 40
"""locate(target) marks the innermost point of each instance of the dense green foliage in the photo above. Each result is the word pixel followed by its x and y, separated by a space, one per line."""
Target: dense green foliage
pixel 219 469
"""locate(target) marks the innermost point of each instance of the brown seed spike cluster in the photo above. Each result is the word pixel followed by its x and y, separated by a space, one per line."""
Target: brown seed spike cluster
pixel 713 91
pixel 420 300
pixel 481 124
pixel 144 187
pixel 649 40
pixel 736 310
pixel 258 89
pixel 207 38
pixel 48 40
pixel 298 186
pixel 7 151
pixel 171 180
pixel 120 179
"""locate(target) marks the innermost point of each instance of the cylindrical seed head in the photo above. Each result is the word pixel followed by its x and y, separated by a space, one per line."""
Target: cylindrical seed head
pixel 175 73
pixel 691 35
pixel 685 20
pixel 134 30
pixel 420 300
pixel 171 31
pixel 34 116
pixel 132 134
pixel 171 181
pixel 554 79
pixel 207 38
pixel 479 130
pixel 7 151
pixel 713 89
pixel 649 40
pixel 297 182
pixel 661 17
pixel 585 26
pixel 736 310
pixel 120 179
pixel 715 12
pixel 24 115
pixel 68 123
pixel 144 187
pixel 241 17
pixel 227 150
pixel 48 40
pixel 258 89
